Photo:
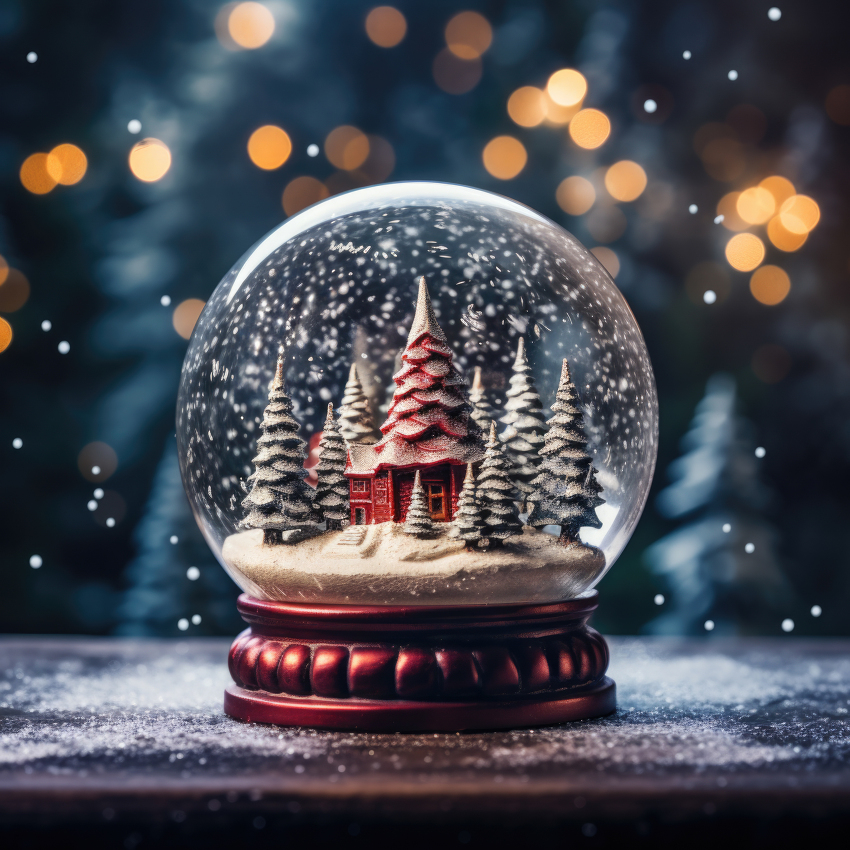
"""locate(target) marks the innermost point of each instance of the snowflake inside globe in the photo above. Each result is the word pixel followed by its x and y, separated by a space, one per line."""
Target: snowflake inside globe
pixel 417 393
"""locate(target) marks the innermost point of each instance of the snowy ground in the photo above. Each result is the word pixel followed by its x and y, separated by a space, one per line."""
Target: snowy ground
pixel 388 567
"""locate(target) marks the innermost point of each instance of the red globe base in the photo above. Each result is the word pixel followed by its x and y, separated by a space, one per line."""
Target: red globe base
pixel 418 668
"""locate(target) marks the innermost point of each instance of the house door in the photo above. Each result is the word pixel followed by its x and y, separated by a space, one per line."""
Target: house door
pixel 437 501
pixel 360 516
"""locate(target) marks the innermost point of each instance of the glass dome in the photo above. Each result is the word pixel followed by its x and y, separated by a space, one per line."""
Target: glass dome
pixel 494 420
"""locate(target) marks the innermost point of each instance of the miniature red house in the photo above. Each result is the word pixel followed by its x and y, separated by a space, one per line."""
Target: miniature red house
pixel 428 429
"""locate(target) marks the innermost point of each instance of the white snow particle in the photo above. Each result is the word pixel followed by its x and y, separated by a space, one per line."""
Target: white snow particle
pixel 35 561
pixel 98 494
pixel 709 296
pixel 32 57
pixel 787 625
pixel 92 505
pixel 659 599
pixel 774 13
pixel 719 218
pixel 165 300
pixel 687 54
pixel 312 150
pixel 46 325
pixel 650 106
pixel 134 126
pixel 182 624
pixel 816 610
pixel 709 625
pixel 64 347
pixel 193 574
pixel 196 619
pixel 17 443
pixel 750 548
pixel 760 451
pixel 693 209
pixel 95 470
pixel 173 539
pixel 726 527
pixel 110 523
pixel 733 75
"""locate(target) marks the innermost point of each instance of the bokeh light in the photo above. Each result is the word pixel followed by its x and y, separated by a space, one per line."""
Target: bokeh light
pixel 838 104
pixel 782 238
pixel 527 106
pixel 150 160
pixel 468 35
pixel 386 26
pixel 625 180
pixel 575 195
pixel 97 461
pixel 755 205
pixel 269 147
pixel 5 334
pixel 799 214
pixel 727 206
pixel 608 259
pixel 4 270
pixel 606 223
pixel 745 252
pixel 567 87
pixel 14 291
pixel 721 152
pixel 557 114
pixel 707 277
pixel 185 315
pixel 346 147
pixel 770 285
pixel 780 187
pixel 66 164
pixel 590 128
pixel 250 25
pixel 455 75
pixel 380 163
pixel 301 193
pixel 771 363
pixel 34 174
pixel 504 157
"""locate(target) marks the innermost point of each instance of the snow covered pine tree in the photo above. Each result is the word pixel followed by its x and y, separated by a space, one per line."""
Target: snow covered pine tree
pixel 356 423
pixel 482 410
pixel 523 436
pixel 496 493
pixel 566 491
pixel 278 500
pixel 468 522
pixel 330 502
pixel 418 520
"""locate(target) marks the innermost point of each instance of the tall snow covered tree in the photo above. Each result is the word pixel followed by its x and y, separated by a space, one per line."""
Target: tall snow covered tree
pixel 468 521
pixel 330 502
pixel 418 521
pixel 523 436
pixel 482 410
pixel 278 499
pixel 720 563
pixel 356 423
pixel 497 495
pixel 566 492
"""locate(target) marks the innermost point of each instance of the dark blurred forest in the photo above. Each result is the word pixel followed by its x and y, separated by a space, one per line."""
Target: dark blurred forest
pixel 106 261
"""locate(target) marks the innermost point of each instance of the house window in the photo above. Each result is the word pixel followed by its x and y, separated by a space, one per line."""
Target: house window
pixel 381 491
pixel 360 485
pixel 436 501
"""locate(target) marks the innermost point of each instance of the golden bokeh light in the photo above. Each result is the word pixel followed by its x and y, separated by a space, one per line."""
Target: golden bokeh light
pixel 560 115
pixel 567 87
pixel 606 223
pixel 745 252
pixel 250 25
pixel 4 270
pixel 469 35
pixel 770 285
pixel 346 147
pixel 799 214
pixel 380 162
pixel 66 164
pixel 14 291
pixel 386 26
pixel 302 192
pixel 608 258
pixel 185 315
pixel 771 363
pixel 625 180
pixel 455 75
pixel 590 128
pixel 34 174
pixel 727 206
pixel 269 147
pixel 755 205
pixel 838 105
pixel 575 195
pixel 97 461
pixel 5 334
pixel 150 160
pixel 782 238
pixel 779 187
pixel 707 277
pixel 504 157
pixel 527 106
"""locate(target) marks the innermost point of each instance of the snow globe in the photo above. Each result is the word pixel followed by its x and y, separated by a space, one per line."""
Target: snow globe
pixel 417 423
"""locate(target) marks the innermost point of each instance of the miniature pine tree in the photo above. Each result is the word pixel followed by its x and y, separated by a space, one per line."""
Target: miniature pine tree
pixel 497 494
pixel 278 499
pixel 524 434
pixel 330 502
pixel 566 491
pixel 482 410
pixel 418 521
pixel 356 423
pixel 468 521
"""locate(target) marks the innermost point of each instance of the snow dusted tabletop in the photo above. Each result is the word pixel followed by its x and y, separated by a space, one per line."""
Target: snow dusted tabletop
pixel 103 727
